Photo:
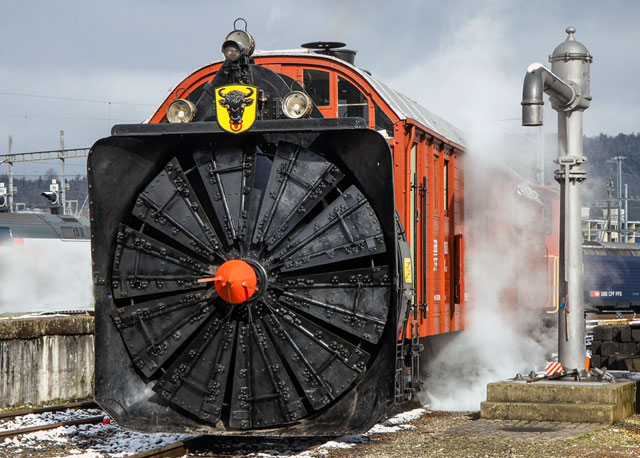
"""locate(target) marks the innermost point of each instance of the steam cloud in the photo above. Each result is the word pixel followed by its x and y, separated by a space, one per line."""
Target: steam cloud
pixel 45 275
pixel 463 81
pixel 500 340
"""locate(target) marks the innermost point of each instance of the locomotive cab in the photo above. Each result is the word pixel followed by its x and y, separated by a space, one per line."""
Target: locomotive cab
pixel 250 272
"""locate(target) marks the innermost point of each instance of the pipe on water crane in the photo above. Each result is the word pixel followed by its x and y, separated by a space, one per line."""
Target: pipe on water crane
pixel 538 80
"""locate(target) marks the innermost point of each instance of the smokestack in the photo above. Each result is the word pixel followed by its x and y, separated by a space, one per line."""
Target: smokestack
pixel 332 48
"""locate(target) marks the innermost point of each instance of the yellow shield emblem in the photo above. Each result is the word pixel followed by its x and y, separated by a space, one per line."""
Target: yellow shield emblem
pixel 236 107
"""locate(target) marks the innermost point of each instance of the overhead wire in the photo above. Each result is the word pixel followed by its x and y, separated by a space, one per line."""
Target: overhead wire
pixel 66 117
pixel 73 99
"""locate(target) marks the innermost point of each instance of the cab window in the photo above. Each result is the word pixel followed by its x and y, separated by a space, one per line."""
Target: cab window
pixel 383 123
pixel 316 84
pixel 351 102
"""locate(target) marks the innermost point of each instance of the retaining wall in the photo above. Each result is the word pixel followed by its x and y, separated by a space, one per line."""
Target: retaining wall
pixel 45 358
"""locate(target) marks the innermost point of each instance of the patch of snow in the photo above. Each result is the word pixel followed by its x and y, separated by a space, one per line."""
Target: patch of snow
pixel 404 417
pixel 27 421
pixel 355 439
pixel 336 444
pixel 90 440
pixel 93 441
pixel 391 425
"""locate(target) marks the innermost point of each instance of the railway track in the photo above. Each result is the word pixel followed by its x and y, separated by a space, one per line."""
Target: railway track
pixel 33 429
pixel 90 434
pixel 233 446
pixel 177 449
pixel 108 439
pixel 51 409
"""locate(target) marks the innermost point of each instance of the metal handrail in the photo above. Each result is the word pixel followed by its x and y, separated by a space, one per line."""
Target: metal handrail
pixel 556 288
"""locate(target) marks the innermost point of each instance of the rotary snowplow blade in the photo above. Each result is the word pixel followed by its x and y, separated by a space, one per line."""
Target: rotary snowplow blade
pixel 312 349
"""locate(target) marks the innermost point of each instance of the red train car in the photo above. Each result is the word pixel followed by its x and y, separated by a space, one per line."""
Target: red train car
pixel 291 229
pixel 428 173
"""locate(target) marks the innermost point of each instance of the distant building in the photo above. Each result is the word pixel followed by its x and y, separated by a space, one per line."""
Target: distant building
pixel 597 226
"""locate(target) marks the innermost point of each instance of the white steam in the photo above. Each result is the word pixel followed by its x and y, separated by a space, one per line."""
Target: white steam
pixel 500 340
pixel 464 81
pixel 45 275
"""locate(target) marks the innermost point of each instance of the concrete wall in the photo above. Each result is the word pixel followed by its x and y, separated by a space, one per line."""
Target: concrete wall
pixel 45 358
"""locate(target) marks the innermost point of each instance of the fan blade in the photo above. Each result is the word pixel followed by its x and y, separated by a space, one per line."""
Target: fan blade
pixel 143 265
pixel 154 330
pixel 227 174
pixel 356 301
pixel 299 179
pixel 263 394
pixel 197 380
pixel 324 364
pixel 348 228
pixel 170 205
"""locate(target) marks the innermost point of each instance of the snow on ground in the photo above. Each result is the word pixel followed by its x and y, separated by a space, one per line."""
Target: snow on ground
pixel 93 441
pixel 390 425
pixel 88 441
pixel 26 421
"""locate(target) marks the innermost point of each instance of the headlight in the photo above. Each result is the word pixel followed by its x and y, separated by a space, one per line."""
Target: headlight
pixel 296 105
pixel 231 50
pixel 181 110
pixel 237 43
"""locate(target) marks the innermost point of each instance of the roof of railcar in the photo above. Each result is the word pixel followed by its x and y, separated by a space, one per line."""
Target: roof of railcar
pixel 401 105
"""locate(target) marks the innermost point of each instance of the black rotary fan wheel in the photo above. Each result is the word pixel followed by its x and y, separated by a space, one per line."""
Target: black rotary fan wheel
pixel 313 325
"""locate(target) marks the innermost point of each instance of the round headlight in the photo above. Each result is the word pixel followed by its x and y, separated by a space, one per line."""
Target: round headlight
pixel 181 110
pixel 231 50
pixel 243 41
pixel 296 105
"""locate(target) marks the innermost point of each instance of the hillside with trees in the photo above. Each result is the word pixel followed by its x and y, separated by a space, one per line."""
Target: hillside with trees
pixel 30 190
pixel 598 150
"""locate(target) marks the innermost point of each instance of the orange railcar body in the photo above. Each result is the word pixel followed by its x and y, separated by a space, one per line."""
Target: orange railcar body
pixel 429 188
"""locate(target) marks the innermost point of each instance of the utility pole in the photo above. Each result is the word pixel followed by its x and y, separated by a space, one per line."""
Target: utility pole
pixel 10 194
pixel 618 160
pixel 568 85
pixel 609 193
pixel 626 214
pixel 63 190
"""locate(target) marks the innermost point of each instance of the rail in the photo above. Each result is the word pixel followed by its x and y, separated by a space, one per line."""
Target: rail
pixel 57 408
pixel 32 429
pixel 177 449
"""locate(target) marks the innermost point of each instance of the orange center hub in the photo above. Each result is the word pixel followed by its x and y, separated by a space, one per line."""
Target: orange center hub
pixel 236 281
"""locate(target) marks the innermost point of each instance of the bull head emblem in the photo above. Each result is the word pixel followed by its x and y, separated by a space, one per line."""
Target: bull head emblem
pixel 235 99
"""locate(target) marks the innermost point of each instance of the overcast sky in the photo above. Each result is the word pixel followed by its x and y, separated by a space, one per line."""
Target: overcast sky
pixel 464 60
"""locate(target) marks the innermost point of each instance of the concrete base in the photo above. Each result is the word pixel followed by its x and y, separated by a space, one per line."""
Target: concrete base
pixel 578 402
pixel 45 358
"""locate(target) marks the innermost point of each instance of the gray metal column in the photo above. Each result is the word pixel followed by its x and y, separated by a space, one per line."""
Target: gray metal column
pixel 10 164
pixel 571 325
pixel 567 84
pixel 619 160
pixel 63 181
pixel 626 214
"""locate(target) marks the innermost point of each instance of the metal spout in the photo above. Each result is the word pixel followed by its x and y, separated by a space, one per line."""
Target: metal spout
pixel 538 80
pixel 532 100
